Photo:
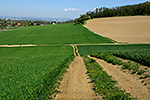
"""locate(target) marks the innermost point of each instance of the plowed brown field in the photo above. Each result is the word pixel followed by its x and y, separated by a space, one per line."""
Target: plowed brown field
pixel 131 29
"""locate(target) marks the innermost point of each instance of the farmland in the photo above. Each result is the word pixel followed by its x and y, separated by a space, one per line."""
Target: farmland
pixel 129 62
pixel 34 72
pixel 31 72
pixel 88 49
pixel 141 56
pixel 131 29
pixel 103 83
pixel 51 34
pixel 137 83
pixel 136 52
pixel 102 55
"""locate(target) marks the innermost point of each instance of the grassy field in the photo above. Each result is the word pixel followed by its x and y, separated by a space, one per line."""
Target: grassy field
pixel 51 34
pixel 31 72
pixel 88 49
pixel 136 52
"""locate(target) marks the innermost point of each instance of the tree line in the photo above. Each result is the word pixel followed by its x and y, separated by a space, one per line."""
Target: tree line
pixel 128 10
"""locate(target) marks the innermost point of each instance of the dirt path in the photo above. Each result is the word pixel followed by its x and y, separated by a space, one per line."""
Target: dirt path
pixel 77 51
pixel 26 45
pixel 74 50
pixel 74 85
pixel 126 81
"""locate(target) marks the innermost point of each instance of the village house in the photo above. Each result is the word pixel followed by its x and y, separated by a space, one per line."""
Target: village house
pixel 18 24
pixel 9 25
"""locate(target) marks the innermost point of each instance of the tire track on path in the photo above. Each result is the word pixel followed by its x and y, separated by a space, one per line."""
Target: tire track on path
pixel 74 85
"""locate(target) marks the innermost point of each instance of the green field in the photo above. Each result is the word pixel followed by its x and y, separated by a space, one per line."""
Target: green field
pixel 136 52
pixel 141 56
pixel 51 34
pixel 31 72
pixel 88 49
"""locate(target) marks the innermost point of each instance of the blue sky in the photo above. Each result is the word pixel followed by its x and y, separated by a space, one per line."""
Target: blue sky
pixel 57 8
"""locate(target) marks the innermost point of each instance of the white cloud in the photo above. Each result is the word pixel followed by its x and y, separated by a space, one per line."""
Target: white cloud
pixel 69 9
pixel 65 9
pixel 72 9
pixel 94 9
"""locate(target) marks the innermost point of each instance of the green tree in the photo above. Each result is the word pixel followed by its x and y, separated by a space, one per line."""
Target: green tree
pixel 32 23
pixel 38 23
pixel 82 19
pixel 97 15
pixel 128 10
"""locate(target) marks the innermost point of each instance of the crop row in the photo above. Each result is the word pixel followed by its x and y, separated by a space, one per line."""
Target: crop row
pixel 140 56
pixel 32 72
pixel 103 83
pixel 89 49
pixel 139 53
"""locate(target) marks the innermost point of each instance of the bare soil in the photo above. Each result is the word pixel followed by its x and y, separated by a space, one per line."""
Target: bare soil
pixel 74 85
pixel 127 82
pixel 132 29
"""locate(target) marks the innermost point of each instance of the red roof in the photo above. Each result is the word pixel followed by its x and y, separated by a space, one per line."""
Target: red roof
pixel 18 23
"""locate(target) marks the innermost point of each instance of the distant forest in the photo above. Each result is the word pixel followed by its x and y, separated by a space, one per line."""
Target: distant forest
pixel 128 10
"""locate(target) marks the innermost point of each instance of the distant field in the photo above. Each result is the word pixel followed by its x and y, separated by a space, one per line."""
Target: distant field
pixel 31 72
pixel 131 29
pixel 85 50
pixel 51 34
